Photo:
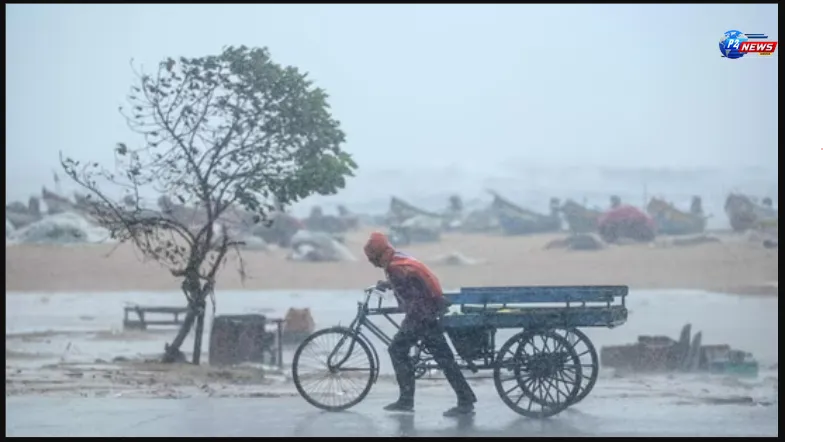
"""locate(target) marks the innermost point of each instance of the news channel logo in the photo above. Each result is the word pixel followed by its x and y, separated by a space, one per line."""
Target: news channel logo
pixel 735 44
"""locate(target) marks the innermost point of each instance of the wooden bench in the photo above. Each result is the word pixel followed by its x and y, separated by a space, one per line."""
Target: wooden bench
pixel 142 323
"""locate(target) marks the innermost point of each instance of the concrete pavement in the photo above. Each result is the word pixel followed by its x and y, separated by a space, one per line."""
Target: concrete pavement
pixel 291 416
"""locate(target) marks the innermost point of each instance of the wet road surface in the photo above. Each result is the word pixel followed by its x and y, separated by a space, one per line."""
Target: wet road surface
pixel 291 416
pixel 661 408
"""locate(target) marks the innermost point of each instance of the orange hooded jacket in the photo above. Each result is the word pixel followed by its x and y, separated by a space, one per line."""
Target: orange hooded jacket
pixel 417 289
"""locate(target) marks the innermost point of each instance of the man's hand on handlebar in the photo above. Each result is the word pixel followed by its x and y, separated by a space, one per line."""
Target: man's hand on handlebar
pixel 381 287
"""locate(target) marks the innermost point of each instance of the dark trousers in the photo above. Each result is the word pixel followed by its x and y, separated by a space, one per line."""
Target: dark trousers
pixel 431 336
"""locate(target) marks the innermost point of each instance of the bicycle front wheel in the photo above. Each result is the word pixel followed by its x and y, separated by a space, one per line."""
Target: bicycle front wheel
pixel 334 369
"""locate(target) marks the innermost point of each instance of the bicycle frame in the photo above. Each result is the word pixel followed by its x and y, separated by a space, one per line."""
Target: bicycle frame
pixel 362 321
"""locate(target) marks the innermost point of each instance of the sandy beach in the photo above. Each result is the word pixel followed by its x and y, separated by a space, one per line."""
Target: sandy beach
pixel 733 265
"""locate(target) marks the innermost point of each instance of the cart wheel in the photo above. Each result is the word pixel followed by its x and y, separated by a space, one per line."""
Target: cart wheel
pixel 570 377
pixel 589 361
pixel 334 369
pixel 537 373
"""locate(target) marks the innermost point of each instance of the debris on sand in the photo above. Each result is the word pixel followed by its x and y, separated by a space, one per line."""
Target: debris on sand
pixel 13 354
pixel 124 335
pixel 251 242
pixel 695 240
pixel 764 288
pixel 455 259
pixel 770 239
pixel 319 222
pixel 62 228
pixel 279 230
pixel 688 354
pixel 310 246
pixel 128 378
pixel 624 221
pixel 560 243
pixel 583 241
pixel 733 400
pixel 687 241
pixel 248 240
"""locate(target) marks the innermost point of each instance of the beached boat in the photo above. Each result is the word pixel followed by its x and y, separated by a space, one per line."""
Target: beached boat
pixel 56 203
pixel 515 220
pixel 580 219
pixel 409 224
pixel 745 213
pixel 672 221
pixel 400 210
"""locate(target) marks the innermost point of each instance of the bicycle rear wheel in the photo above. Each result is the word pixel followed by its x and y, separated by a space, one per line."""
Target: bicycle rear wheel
pixel 334 369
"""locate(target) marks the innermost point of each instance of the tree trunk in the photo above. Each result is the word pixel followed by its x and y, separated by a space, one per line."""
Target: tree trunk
pixel 198 337
pixel 173 353
pixel 196 303
pixel 196 295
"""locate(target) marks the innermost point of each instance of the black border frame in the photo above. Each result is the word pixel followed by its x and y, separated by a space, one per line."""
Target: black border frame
pixel 784 132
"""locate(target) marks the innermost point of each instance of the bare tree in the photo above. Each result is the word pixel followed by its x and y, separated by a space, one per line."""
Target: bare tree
pixel 231 130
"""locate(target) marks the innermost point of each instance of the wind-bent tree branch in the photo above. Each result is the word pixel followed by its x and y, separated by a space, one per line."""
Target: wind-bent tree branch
pixel 233 130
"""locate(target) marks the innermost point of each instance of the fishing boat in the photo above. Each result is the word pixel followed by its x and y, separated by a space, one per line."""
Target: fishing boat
pixel 745 213
pixel 515 220
pixel 409 224
pixel 672 221
pixel 580 218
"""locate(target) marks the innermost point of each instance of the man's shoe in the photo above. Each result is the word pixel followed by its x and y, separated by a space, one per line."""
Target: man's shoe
pixel 399 406
pixel 460 410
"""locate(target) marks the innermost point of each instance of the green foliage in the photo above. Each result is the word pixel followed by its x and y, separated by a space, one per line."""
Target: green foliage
pixel 229 130
pixel 242 129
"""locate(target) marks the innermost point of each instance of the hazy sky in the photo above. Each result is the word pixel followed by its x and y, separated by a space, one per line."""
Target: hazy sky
pixel 420 84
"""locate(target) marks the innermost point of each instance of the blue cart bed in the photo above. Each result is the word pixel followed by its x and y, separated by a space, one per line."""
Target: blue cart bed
pixel 538 306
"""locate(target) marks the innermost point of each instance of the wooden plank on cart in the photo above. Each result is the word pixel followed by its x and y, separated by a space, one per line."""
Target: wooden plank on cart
pixel 536 318
pixel 538 294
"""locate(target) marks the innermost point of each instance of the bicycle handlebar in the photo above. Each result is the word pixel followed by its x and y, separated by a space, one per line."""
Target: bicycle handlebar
pixel 369 291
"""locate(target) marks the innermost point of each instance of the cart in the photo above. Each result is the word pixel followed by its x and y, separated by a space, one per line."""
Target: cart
pixel 546 367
